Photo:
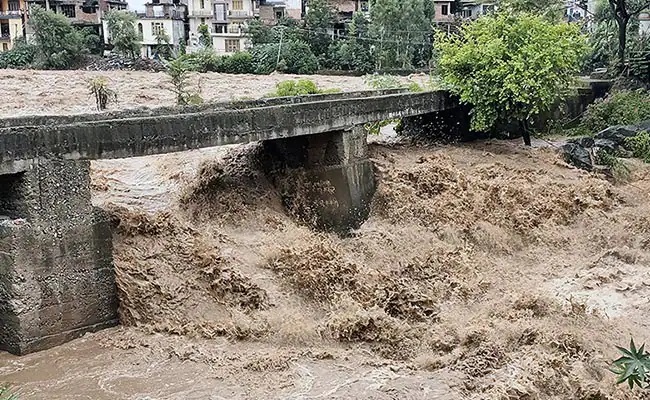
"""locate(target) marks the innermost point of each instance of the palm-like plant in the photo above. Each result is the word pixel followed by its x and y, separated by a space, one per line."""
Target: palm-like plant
pixel 633 366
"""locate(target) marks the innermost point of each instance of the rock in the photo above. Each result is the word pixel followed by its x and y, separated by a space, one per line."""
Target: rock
pixel 577 156
pixel 585 141
pixel 619 133
pixel 608 146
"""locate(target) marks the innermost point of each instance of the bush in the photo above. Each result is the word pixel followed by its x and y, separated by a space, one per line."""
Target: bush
pixel 640 145
pixel 295 58
pixel 202 61
pixel 238 63
pixel 99 89
pixel 300 87
pixel 21 55
pixel 619 108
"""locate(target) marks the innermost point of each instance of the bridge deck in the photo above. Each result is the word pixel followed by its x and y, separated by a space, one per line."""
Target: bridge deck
pixel 164 130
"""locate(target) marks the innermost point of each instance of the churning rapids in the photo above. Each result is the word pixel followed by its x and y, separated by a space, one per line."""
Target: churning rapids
pixel 485 271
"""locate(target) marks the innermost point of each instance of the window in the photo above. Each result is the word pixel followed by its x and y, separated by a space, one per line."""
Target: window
pixel 202 21
pixel 4 30
pixel 5 47
pixel 232 45
pixel 69 10
pixel 220 12
pixel 467 13
pixel 14 6
pixel 279 14
pixel 157 28
pixel 220 28
pixel 140 33
pixel 364 6
pixel 202 4
pixel 234 28
pixel 237 4
pixel 445 9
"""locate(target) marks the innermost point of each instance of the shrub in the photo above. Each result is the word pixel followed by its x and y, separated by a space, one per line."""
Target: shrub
pixel 619 108
pixel 204 60
pixel 640 145
pixel 103 94
pixel 238 63
pixel 300 87
pixel 21 55
pixel 179 74
pixel 295 58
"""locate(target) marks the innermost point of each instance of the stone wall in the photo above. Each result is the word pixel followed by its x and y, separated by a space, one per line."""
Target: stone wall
pixel 56 273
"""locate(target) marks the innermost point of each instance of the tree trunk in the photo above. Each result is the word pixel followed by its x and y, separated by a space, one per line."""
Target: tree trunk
pixel 525 133
pixel 622 41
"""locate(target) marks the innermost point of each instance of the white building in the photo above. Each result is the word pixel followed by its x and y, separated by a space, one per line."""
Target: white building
pixel 160 19
pixel 227 21
pixel 473 9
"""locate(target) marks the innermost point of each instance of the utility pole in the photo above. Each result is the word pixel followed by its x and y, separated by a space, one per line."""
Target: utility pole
pixel 277 61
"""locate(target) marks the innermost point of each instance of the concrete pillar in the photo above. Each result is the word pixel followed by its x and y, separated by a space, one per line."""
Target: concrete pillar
pixel 56 272
pixel 326 180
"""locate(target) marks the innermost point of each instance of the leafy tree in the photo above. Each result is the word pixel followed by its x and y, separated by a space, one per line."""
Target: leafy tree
pixel 92 41
pixel 123 36
pixel 179 71
pixel 295 58
pixel 402 31
pixel 319 19
pixel 622 12
pixel 204 36
pixel 58 44
pixel 163 47
pixel 20 55
pixel 510 67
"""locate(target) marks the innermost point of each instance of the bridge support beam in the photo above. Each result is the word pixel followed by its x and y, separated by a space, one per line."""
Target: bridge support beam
pixel 326 180
pixel 56 272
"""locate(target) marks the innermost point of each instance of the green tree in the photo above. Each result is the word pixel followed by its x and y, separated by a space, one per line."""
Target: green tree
pixel 402 31
pixel 510 67
pixel 623 12
pixel 204 36
pixel 163 47
pixel 123 36
pixel 58 44
pixel 320 18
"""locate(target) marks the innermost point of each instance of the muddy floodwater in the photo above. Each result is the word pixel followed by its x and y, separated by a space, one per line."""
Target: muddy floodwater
pixel 485 271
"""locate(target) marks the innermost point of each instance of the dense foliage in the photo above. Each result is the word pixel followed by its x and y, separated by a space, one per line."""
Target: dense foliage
pixel 57 43
pixel 207 60
pixel 21 55
pixel 121 29
pixel 299 87
pixel 510 67
pixel 290 57
pixel 619 108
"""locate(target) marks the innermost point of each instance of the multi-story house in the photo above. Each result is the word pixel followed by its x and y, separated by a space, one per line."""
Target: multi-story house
pixel 229 21
pixel 271 11
pixel 347 8
pixel 81 13
pixel 12 14
pixel 162 18
pixel 444 11
pixel 473 9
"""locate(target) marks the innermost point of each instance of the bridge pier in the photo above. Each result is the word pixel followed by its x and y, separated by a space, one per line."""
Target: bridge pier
pixel 326 179
pixel 56 273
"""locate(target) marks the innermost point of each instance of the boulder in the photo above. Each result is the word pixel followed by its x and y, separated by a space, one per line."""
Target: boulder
pixel 577 155
pixel 619 133
pixel 585 141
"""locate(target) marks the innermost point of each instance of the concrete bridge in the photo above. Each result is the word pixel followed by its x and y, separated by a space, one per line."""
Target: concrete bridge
pixel 56 272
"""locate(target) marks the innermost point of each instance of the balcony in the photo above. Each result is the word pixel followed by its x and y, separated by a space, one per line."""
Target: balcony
pixel 10 14
pixel 201 13
pixel 240 14
pixel 235 32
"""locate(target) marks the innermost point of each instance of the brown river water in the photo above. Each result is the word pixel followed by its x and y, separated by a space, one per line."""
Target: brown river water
pixel 485 271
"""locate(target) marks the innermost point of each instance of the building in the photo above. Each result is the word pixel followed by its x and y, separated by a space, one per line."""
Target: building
pixel 81 13
pixel 445 11
pixel 161 18
pixel 227 21
pixel 347 8
pixel 12 26
pixel 472 9
pixel 272 11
